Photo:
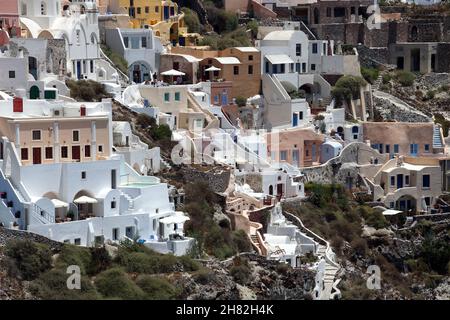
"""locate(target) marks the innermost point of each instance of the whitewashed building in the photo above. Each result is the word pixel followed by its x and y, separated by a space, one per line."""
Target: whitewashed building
pixel 140 48
pixel 59 178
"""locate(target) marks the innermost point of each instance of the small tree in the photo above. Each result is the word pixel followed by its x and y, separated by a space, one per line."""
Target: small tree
pixel 405 78
pixel 241 101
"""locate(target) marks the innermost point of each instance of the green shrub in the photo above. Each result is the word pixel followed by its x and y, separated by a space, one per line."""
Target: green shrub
pixel 241 273
pixel 191 20
pixel 359 246
pixel 283 268
pixel 430 95
pixel 74 255
pixel 119 61
pixel 436 254
pixel 386 78
pixel 241 241
pixel 114 283
pixel 405 78
pixel 188 263
pixel 87 90
pixel 100 260
pixel 156 288
pixel 377 220
pixel 370 74
pixel 161 132
pixel 204 276
pixel 31 259
pixel 145 121
pixel 347 88
pixel 241 101
pixel 52 285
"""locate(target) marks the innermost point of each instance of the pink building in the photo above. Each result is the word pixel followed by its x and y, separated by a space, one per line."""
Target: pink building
pixel 9 19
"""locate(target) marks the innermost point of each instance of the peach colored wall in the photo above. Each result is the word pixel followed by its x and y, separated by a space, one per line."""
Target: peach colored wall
pixel 401 133
pixel 301 140
pixel 66 127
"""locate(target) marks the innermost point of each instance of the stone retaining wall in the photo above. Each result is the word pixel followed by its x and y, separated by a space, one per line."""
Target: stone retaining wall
pixel 9 234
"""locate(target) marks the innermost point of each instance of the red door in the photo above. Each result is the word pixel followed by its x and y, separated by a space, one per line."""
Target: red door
pixel 37 159
pixel 76 153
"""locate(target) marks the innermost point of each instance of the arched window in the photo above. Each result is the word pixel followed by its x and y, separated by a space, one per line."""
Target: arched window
pixel 355 129
pixel 43 8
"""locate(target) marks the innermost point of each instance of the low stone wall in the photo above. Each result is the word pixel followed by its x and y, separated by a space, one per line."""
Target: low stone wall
pixel 9 234
pixel 345 168
pixel 217 180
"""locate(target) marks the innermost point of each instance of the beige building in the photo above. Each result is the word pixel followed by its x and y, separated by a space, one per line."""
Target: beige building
pixel 298 147
pixel 240 65
pixel 404 138
pixel 67 134
pixel 409 184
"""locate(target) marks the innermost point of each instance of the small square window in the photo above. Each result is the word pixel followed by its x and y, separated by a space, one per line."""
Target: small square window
pixel 427 148
pixel 313 67
pixel 100 148
pixel 36 135
pixel 236 70
pixel 113 204
pixel 12 74
pixel 75 136
pixel 83 175
pixel 250 58
pixel 177 96
pixel 77 241
pixel 166 97
pixel 48 153
pixel 64 152
pixel 250 69
pixel 24 153
pixel 87 151
pixel 147 9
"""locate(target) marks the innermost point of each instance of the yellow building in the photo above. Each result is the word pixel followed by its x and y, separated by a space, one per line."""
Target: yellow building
pixel 163 17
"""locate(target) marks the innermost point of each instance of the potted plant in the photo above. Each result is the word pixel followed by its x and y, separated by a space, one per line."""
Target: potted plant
pixel 70 215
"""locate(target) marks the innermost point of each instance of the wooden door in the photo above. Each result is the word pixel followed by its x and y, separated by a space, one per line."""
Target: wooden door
pixel 37 156
pixel 76 153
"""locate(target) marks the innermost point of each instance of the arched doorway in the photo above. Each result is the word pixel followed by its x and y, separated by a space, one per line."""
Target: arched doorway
pixel 34 93
pixel 406 204
pixel 309 91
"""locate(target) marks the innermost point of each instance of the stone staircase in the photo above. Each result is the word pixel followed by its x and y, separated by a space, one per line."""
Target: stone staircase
pixel 377 83
pixel 437 138
pixel 255 242
pixel 130 201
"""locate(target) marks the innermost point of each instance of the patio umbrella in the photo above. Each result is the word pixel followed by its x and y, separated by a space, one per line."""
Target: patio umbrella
pixel 59 204
pixel 212 69
pixel 85 199
pixel 172 73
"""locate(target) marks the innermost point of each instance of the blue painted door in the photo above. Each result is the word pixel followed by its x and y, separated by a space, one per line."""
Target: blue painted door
pixel 294 119
pixel 166 12
pixel 79 70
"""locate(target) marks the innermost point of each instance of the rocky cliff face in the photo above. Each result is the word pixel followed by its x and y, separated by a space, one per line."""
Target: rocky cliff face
pixel 267 280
